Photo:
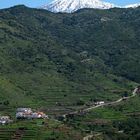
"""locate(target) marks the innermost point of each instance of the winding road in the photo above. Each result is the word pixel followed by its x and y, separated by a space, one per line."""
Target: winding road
pixel 134 93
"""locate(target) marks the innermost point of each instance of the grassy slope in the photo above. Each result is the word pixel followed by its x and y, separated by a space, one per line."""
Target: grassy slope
pixel 47 58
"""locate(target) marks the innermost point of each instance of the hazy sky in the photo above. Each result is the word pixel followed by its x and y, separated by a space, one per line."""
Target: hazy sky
pixel 37 3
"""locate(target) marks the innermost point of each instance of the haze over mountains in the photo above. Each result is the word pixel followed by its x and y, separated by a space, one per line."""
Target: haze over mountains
pixel 69 6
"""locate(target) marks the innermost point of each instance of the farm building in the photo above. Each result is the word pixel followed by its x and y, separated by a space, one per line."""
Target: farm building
pixel 39 115
pixel 5 120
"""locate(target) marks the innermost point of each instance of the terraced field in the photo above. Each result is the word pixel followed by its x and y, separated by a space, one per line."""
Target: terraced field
pixel 20 132
pixel 38 130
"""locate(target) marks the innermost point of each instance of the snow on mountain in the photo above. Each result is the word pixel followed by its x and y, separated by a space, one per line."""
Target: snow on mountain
pixel 133 5
pixel 69 6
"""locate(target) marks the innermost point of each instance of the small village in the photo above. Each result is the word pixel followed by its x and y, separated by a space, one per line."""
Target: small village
pixel 29 114
pixel 23 113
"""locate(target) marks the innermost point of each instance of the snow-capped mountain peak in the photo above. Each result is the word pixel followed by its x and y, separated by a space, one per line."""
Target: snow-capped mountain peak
pixel 133 5
pixel 69 6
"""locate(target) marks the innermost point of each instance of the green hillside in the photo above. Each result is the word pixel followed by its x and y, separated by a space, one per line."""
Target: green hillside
pixel 52 60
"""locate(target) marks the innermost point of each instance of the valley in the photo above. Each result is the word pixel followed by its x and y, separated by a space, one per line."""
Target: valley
pixel 84 65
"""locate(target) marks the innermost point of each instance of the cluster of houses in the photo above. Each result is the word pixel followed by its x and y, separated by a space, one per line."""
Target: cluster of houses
pixel 23 113
pixel 5 120
pixel 27 113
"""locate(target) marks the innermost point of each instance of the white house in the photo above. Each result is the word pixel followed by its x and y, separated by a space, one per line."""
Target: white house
pixel 5 120
pixel 100 103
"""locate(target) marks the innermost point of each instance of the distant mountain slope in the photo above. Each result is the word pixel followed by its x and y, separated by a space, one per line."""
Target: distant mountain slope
pixel 49 59
pixel 74 5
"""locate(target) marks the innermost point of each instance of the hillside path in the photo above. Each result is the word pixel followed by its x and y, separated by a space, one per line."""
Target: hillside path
pixel 134 93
